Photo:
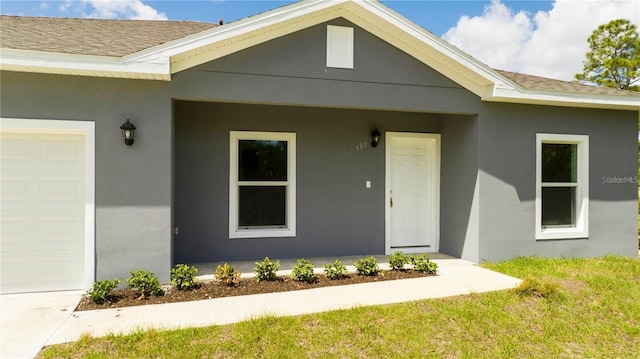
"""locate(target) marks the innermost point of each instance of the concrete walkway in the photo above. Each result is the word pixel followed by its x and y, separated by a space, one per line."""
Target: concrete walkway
pixel 456 277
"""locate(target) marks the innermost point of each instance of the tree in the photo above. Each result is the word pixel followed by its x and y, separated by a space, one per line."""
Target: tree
pixel 613 59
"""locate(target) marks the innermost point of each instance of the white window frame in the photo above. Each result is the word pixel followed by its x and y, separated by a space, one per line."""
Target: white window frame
pixel 581 229
pixel 290 229
pixel 340 47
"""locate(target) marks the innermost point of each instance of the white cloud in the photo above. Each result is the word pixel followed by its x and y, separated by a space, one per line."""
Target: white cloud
pixel 551 44
pixel 128 9
pixel 112 9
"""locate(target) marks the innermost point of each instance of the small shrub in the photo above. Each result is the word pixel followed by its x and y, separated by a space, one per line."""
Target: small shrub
pixel 144 281
pixel 303 271
pixel 423 264
pixel 367 266
pixel 101 290
pixel 183 277
pixel 531 287
pixel 336 270
pixel 227 275
pixel 266 270
pixel 397 260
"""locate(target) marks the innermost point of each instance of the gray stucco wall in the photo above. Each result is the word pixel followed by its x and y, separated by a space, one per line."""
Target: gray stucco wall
pixel 133 184
pixel 459 192
pixel 507 180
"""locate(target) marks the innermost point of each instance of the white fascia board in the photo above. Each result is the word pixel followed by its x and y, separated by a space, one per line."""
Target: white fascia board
pixel 232 30
pixel 567 99
pixel 84 65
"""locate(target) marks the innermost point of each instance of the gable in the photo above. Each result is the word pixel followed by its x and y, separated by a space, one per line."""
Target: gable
pixel 293 69
pixel 303 55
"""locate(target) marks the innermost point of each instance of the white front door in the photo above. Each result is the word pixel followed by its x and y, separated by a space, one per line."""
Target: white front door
pixel 413 192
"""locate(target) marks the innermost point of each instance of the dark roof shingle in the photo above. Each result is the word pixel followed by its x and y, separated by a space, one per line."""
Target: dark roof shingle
pixel 531 82
pixel 91 36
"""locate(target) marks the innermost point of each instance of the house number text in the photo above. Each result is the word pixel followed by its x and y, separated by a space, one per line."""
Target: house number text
pixel 362 145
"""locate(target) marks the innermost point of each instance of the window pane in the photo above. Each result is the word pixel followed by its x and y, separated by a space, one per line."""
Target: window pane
pixel 559 162
pixel 262 206
pixel 262 160
pixel 558 206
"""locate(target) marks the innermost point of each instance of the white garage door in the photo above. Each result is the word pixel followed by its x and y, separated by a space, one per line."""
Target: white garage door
pixel 43 186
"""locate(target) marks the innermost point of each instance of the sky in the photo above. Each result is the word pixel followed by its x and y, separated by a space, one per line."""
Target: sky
pixel 544 38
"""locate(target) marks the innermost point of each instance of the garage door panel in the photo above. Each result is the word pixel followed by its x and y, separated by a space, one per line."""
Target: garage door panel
pixel 14 189
pixel 41 231
pixel 67 189
pixel 14 231
pixel 64 232
pixel 23 190
pixel 15 149
pixel 42 151
pixel 42 271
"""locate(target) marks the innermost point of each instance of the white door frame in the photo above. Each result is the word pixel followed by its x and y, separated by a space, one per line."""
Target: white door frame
pixel 86 128
pixel 436 201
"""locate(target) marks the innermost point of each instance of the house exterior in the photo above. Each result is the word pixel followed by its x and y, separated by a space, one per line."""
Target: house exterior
pixel 254 139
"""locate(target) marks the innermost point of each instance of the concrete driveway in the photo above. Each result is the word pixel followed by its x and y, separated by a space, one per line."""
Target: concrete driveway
pixel 29 320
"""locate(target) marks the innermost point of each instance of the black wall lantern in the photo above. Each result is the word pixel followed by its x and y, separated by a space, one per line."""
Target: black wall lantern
pixel 375 138
pixel 128 130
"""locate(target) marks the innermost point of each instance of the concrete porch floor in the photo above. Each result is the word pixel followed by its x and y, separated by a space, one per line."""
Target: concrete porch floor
pixel 206 270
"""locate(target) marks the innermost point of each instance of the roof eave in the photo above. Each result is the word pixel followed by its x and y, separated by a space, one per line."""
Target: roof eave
pixel 83 65
pixel 564 99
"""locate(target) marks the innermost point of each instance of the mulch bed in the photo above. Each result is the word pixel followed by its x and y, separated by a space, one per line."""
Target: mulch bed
pixel 211 289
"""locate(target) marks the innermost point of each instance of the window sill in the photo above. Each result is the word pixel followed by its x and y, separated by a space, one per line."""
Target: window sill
pixel 561 233
pixel 262 233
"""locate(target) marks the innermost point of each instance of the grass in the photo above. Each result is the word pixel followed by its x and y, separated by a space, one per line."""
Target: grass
pixel 595 312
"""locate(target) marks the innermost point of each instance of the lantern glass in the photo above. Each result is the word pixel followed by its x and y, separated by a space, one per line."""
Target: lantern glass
pixel 128 132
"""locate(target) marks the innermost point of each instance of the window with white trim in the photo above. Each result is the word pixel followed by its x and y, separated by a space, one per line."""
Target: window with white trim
pixel 262 184
pixel 562 186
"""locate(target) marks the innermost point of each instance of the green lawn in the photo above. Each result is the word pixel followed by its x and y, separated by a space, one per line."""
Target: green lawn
pixel 595 314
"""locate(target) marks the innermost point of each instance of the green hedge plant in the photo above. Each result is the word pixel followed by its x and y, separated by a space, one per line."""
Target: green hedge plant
pixel 303 271
pixel 145 282
pixel 183 276
pixel 266 269
pixel 335 270
pixel 102 289
pixel 423 264
pixel 367 266
pixel 226 274
pixel 397 260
